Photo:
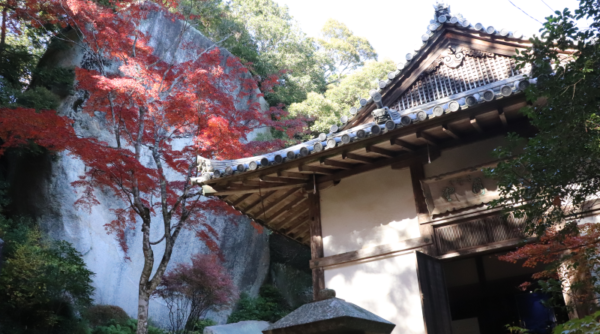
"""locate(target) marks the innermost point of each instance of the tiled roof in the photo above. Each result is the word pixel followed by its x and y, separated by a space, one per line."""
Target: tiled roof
pixel 460 79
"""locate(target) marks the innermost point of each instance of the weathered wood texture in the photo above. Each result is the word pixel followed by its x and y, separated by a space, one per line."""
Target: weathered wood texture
pixel 316 238
pixel 371 252
pixel 434 297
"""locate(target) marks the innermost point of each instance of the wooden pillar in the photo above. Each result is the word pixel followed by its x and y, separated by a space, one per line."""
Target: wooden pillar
pixel 417 173
pixel 316 239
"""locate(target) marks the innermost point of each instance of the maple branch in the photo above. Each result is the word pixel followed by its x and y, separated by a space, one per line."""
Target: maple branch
pixel 159 240
pixel 176 80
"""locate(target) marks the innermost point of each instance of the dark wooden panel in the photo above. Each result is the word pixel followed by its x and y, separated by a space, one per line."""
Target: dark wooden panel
pixel 434 297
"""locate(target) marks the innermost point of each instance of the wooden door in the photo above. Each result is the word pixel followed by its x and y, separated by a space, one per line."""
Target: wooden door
pixel 434 297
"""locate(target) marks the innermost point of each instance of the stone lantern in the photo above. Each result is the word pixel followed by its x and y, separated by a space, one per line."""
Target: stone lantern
pixel 330 315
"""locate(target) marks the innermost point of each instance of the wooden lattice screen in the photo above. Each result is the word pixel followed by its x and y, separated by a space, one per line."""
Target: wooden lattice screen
pixel 476 233
pixel 444 81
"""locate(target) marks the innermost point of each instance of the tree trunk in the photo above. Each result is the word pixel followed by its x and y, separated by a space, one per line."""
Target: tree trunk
pixel 143 301
pixel 145 287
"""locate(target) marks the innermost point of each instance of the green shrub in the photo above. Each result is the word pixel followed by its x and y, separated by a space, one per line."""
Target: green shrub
pixel 102 315
pixel 268 306
pixel 201 324
pixel 43 284
pixel 129 327
pixel 589 324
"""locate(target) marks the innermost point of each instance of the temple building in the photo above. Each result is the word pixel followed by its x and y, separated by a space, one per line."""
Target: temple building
pixel 393 202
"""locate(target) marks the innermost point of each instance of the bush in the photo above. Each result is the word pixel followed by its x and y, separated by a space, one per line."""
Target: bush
pixel 43 284
pixel 103 315
pixel 200 325
pixel 129 327
pixel 268 306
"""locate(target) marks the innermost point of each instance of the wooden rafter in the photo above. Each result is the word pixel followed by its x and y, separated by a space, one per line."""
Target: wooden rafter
pixel 381 151
pixel 293 175
pixel 358 157
pixel 449 132
pixel 339 164
pixel 404 145
pixel 259 200
pixel 429 139
pixel 252 190
pixel 240 199
pixel 502 116
pixel 287 207
pixel 475 124
pixel 317 170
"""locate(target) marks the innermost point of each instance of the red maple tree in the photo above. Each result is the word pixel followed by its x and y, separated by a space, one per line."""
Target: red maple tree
pixel 191 290
pixel 161 115
pixel 571 264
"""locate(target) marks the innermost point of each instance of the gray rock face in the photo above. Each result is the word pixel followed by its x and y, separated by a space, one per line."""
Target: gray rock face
pixel 242 327
pixel 41 187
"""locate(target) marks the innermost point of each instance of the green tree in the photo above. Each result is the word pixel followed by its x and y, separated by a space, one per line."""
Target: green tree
pixel 326 109
pixel 43 283
pixel 555 177
pixel 264 35
pixel 345 51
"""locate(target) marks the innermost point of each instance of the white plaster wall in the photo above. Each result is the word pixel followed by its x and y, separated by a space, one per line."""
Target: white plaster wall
pixel 369 209
pixel 387 287
pixel 463 157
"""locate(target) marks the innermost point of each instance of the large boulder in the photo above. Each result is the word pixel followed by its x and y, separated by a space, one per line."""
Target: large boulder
pixel 40 186
pixel 242 327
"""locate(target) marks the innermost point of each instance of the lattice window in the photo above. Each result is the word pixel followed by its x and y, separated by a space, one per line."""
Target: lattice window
pixel 445 81
pixel 477 233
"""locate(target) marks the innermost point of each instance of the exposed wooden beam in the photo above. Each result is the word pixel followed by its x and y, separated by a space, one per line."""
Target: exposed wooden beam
pixel 260 200
pixel 280 180
pixel 404 145
pixel 300 225
pixel 449 132
pixel 293 175
pixel 240 199
pixel 475 124
pixel 339 164
pixel 382 151
pixel 281 199
pixel 358 157
pixel 316 241
pixel 284 228
pixel 317 169
pixel 291 214
pixel 370 252
pixel 502 116
pixel 422 154
pixel 429 139
pixel 417 173
pixel 253 190
pixel 286 208
pixel 259 183
pixel 429 155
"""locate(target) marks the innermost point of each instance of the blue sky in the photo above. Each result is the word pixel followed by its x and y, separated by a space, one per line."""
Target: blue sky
pixel 394 27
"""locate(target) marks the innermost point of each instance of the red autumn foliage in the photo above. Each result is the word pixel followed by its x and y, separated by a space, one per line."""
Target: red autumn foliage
pixel 161 114
pixel 191 290
pixel 570 257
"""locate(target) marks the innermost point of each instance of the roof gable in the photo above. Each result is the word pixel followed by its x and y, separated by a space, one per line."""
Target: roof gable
pixel 447 83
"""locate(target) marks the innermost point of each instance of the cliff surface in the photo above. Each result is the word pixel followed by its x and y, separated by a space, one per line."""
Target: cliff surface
pixel 40 187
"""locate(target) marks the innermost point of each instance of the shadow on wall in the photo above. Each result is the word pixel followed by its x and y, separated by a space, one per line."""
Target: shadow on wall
pixel 386 286
pixel 369 209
